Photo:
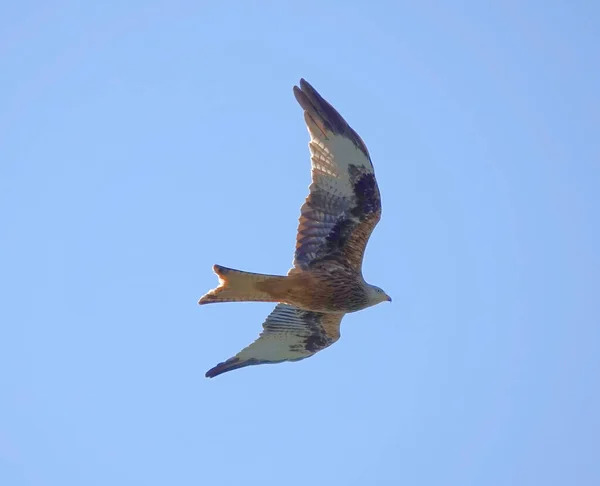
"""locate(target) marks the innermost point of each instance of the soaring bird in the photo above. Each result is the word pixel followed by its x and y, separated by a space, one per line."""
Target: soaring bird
pixel 326 282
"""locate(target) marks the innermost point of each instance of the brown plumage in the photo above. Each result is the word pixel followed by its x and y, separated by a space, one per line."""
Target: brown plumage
pixel 336 221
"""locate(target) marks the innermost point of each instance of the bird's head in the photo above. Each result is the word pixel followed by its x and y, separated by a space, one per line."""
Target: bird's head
pixel 377 295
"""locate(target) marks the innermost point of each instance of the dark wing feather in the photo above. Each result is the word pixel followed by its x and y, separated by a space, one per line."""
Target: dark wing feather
pixel 344 204
pixel 290 334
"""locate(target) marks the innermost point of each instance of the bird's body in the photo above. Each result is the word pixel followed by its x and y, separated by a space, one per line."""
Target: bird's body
pixel 326 288
pixel 326 281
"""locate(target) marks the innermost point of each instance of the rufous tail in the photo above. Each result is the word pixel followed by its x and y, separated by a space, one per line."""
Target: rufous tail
pixel 238 286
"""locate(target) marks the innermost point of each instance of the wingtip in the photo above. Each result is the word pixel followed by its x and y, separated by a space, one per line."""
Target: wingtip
pixel 304 87
pixel 305 84
pixel 301 98
pixel 221 368
pixel 230 365
pixel 213 372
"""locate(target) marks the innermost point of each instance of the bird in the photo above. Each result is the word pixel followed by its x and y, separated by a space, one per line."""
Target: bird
pixel 325 282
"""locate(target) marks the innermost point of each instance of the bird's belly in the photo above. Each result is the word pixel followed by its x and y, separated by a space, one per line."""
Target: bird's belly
pixel 314 298
pixel 328 295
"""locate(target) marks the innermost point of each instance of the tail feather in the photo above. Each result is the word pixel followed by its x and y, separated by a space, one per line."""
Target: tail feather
pixel 238 286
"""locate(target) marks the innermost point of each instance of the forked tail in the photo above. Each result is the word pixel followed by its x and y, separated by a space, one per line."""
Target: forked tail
pixel 238 286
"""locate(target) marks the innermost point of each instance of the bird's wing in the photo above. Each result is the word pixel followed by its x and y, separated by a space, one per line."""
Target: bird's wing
pixel 344 204
pixel 290 334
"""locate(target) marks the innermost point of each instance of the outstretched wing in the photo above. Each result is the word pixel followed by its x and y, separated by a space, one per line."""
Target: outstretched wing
pixel 290 334
pixel 344 204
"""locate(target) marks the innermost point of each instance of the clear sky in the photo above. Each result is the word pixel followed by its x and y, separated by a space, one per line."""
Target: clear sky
pixel 142 142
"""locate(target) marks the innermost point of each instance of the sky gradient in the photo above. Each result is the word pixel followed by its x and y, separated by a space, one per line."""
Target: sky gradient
pixel 142 142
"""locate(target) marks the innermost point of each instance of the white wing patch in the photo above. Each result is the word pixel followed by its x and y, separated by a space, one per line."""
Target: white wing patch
pixel 331 165
pixel 282 339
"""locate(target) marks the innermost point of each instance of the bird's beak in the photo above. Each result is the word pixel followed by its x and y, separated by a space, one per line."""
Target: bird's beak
pixel 389 299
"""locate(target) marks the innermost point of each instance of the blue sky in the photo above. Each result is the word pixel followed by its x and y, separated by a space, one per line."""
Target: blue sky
pixel 142 142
